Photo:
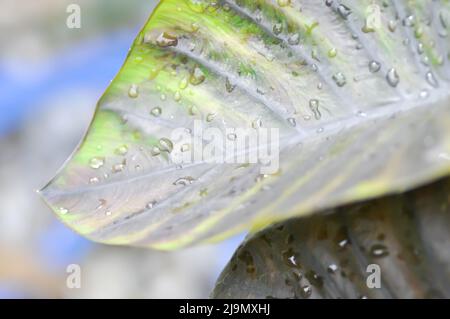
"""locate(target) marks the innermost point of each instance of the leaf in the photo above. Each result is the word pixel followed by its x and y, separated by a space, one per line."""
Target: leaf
pixel 362 111
pixel 327 256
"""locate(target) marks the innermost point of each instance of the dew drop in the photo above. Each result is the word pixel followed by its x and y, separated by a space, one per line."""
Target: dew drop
pixel 306 291
pixel 156 111
pixel 290 258
pixel 93 180
pixel 102 203
pixel 332 268
pixel 392 77
pixel 184 181
pixel 339 79
pixel 96 162
pixel 185 148
pixel 392 25
pixel 332 53
pixel 314 106
pixel 228 86
pixel 177 96
pixel 344 11
pixel 195 26
pixel 133 91
pixel 379 251
pixel 431 79
pixel 292 122
pixel 166 40
pixel 155 151
pixel 122 150
pixel 277 28
pixel 314 278
pixel 374 66
pixel 210 117
pixel 256 124
pixel 197 77
pixel 117 168
pixel 294 39
pixel 165 145
pixel 409 21
pixel 150 205
pixel 424 94
pixel 62 211
pixel 183 84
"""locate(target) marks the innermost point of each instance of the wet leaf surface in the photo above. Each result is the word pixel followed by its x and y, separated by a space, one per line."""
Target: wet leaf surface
pixel 328 255
pixel 361 102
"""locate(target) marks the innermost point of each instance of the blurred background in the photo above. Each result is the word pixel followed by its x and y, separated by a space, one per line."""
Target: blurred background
pixel 50 80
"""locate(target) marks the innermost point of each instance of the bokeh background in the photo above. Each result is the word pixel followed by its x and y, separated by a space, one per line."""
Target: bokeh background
pixel 50 80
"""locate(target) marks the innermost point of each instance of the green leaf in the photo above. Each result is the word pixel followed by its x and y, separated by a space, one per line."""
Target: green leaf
pixel 361 104
pixel 322 256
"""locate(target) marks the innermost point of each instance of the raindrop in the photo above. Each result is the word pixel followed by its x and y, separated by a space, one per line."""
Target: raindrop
pixel 424 94
pixel 392 25
pixel 344 11
pixel 292 121
pixel 118 167
pixel 290 259
pixel 210 117
pixel 165 145
pixel 257 123
pixel 184 181
pixel 392 77
pixel 93 180
pixel 431 79
pixel 150 205
pixel 62 211
pixel 277 28
pixel 183 83
pixel 339 79
pixel 185 147
pixel 122 150
pixel 332 268
pixel 229 87
pixel 96 162
pixel 314 106
pixel 155 151
pixel 306 291
pixel 177 96
pixel 133 91
pixel 314 278
pixel 374 66
pixel 197 77
pixel 294 39
pixel 332 53
pixel 166 40
pixel 409 21
pixel 379 251
pixel 195 26
pixel 102 203
pixel 156 111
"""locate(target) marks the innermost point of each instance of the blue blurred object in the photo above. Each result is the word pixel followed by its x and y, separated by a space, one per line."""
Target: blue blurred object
pixel 92 64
